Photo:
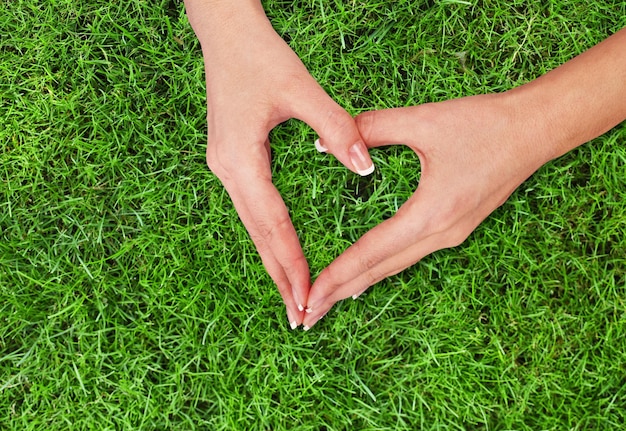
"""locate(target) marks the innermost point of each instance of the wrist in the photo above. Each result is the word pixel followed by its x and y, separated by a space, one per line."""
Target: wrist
pixel 533 133
pixel 536 119
pixel 579 100
pixel 212 18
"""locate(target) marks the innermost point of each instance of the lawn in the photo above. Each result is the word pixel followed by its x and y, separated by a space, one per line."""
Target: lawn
pixel 132 298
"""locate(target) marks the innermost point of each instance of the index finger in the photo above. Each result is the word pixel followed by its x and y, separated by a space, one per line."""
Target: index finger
pixel 265 215
pixel 387 249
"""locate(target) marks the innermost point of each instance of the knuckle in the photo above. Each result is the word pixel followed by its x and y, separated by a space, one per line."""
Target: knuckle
pixel 455 236
pixel 270 229
pixel 365 124
pixel 294 266
pixel 227 161
pixel 339 123
pixel 372 277
pixel 230 153
pixel 369 265
pixel 216 161
pixel 367 262
pixel 451 223
pixel 212 160
pixel 326 282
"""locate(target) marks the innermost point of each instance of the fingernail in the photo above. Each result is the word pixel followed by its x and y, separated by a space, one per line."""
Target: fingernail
pixel 294 325
pixel 355 296
pixel 300 307
pixel 320 147
pixel 361 162
pixel 309 310
pixel 306 328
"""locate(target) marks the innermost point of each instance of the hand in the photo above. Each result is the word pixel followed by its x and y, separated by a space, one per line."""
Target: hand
pixel 474 152
pixel 254 82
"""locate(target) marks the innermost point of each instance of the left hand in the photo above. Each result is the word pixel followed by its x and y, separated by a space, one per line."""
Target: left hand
pixel 474 152
pixel 254 81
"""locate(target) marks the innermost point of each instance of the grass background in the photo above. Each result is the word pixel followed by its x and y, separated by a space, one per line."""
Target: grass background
pixel 131 296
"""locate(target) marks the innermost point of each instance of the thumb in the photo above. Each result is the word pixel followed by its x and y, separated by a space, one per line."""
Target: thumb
pixel 388 126
pixel 337 131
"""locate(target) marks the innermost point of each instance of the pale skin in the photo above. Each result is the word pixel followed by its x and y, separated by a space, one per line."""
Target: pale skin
pixel 474 152
pixel 254 82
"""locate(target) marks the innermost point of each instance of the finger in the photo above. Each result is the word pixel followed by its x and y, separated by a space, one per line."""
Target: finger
pixel 273 266
pixel 336 128
pixel 270 227
pixel 387 249
pixel 389 126
pixel 354 288
pixel 273 227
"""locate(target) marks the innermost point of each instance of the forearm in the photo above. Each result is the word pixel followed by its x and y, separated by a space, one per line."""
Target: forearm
pixel 213 20
pixel 578 101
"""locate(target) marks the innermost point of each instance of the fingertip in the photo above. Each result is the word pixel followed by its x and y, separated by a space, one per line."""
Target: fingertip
pixel 313 314
pixel 358 294
pixel 367 171
pixel 294 317
pixel 300 285
pixel 339 135
pixel 307 323
pixel 300 296
pixel 319 147
pixel 360 159
pixel 312 319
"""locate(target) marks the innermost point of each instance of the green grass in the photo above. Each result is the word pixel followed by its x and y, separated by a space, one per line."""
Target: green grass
pixel 131 296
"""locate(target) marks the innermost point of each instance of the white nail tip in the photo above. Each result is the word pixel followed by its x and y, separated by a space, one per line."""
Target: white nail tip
pixel 306 328
pixel 366 172
pixel 319 147
pixel 300 307
pixel 294 325
pixel 355 296
pixel 309 310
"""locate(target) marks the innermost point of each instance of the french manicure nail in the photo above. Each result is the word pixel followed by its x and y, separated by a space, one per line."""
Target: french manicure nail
pixel 360 161
pixel 319 147
pixel 355 296
pixel 300 307
pixel 294 325
pixel 309 310
pixel 306 328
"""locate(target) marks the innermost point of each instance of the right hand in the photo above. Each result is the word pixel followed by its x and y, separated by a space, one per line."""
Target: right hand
pixel 473 151
pixel 254 82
